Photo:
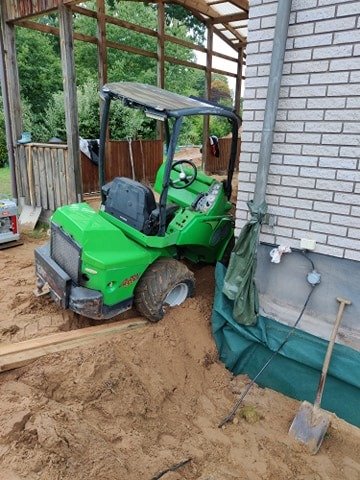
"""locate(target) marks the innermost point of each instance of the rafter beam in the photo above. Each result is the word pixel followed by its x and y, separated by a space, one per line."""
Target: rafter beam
pixel 234 17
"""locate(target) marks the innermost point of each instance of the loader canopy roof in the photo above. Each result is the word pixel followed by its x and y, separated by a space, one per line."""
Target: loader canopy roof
pixel 161 102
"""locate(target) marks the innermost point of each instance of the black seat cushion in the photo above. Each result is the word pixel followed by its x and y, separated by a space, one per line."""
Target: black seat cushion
pixel 129 201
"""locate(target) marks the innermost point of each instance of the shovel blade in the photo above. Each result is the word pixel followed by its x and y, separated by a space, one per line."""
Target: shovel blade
pixel 309 426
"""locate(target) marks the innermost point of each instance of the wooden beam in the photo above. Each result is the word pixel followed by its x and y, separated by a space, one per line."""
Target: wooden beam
pixel 101 37
pixel 230 18
pixel 160 44
pixel 208 71
pixel 16 355
pixel 70 100
pixel 239 82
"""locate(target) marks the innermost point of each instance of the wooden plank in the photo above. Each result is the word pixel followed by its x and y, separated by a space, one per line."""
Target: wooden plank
pixel 18 354
pixel 101 36
pixel 43 179
pixel 49 178
pixel 36 170
pixel 64 199
pixel 56 176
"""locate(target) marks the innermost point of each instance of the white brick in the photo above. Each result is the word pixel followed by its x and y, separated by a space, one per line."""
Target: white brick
pixel 326 102
pixel 308 91
pixel 328 150
pixel 284 170
pixel 268 22
pixel 300 160
pixel 263 70
pixel 355 211
pixel 284 148
pixel 282 191
pixel 328 162
pixel 300 79
pixel 274 179
pixel 250 72
pixel 258 59
pixel 261 92
pixel 348 9
pixel 298 181
pixel 303 138
pixel 355 75
pixel 313 40
pixel 343 90
pixel 346 221
pixel 296 203
pixel 310 66
pixel 306 114
pixel 332 52
pixel 297 55
pixel 297 30
pixel 351 127
pixel 271 199
pixel 344 64
pixel 354 232
pixel 344 242
pixel 266 46
pixel 294 223
pixel 289 126
pixel 330 229
pixel 267 238
pixel 259 116
pixel 283 231
pixel 255 104
pixel 351 115
pixel 263 10
pixel 350 176
pixel 313 216
pixel 292 103
pixel 335 185
pixel 251 48
pixel 323 127
pixel 247 115
pixel 331 2
pixel 353 102
pixel 255 126
pixel 263 34
pixel 340 139
pixel 332 207
pixel 335 25
pixel 283 211
pixel 256 82
pixel 347 198
pixel 315 194
pixel 352 254
pixel 303 4
pixel 317 173
pixel 352 152
pixel 328 78
pixel 332 251
pixel 352 36
pixel 310 15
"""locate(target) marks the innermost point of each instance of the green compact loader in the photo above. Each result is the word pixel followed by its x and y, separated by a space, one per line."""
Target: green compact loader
pixel 101 263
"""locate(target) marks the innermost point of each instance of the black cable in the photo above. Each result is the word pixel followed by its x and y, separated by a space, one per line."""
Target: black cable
pixel 233 411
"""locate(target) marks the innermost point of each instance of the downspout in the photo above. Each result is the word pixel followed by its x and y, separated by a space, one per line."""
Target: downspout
pixel 272 99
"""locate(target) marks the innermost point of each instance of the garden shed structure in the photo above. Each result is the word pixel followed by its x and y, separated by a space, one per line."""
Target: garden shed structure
pixel 226 19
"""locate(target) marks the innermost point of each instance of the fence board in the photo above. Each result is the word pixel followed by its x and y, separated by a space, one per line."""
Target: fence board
pixel 62 173
pixel 55 166
pixel 49 178
pixel 35 155
pixel 220 164
pixel 43 179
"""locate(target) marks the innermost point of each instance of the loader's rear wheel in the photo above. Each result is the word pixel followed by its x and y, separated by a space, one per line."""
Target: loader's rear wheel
pixel 167 282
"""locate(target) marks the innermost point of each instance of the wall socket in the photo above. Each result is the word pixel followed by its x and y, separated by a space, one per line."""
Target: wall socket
pixel 307 244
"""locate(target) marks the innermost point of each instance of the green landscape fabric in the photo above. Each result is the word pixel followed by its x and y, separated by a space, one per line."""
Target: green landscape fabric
pixel 295 370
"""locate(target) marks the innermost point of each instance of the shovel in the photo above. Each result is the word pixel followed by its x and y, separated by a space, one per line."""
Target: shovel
pixel 311 423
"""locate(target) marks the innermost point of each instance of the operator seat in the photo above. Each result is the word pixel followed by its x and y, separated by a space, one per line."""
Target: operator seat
pixel 134 203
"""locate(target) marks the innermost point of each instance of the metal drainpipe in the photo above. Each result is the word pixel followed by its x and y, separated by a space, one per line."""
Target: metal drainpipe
pixel 272 99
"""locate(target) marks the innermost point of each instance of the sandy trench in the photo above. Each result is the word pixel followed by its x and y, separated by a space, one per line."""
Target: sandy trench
pixel 133 406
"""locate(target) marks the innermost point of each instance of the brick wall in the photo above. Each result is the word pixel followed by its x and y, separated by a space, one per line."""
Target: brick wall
pixel 314 183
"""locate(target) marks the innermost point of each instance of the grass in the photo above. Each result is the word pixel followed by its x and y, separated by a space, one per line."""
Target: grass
pixel 5 181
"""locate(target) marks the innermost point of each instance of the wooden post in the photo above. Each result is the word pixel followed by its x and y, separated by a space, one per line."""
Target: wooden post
pixel 10 87
pixel 101 36
pixel 70 100
pixel 160 57
pixel 206 122
pixel 239 81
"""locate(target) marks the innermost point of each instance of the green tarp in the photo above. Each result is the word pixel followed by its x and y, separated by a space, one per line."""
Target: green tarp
pixel 296 369
pixel 239 284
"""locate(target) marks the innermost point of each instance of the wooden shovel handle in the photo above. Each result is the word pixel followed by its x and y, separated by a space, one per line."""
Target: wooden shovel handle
pixel 343 302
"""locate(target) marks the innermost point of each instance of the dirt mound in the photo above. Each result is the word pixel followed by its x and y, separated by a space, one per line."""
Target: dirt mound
pixel 142 402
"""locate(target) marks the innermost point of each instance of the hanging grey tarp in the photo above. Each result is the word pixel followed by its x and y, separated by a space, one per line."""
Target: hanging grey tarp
pixel 239 284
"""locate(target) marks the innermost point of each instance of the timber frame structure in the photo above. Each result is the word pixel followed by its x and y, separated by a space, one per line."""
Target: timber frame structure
pixel 225 18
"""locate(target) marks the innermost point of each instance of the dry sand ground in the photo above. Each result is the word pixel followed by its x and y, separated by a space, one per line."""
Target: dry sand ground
pixel 130 407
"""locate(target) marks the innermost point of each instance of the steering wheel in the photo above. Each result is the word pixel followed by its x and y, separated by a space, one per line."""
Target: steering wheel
pixel 184 179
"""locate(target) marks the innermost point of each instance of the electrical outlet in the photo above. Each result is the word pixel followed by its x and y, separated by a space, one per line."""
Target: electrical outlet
pixel 307 244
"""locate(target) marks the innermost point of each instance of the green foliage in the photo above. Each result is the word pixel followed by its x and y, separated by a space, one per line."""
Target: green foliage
pixel 5 181
pixel 41 84
pixel 39 68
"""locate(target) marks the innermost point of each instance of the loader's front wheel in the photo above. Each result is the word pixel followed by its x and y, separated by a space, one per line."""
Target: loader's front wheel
pixel 166 283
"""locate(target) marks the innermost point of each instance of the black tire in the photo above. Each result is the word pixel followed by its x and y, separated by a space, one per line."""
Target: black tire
pixel 162 278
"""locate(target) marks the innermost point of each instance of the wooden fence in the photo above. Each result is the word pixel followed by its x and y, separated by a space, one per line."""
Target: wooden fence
pixel 219 164
pixel 44 177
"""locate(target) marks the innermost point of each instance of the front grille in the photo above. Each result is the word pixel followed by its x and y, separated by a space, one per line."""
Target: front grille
pixel 65 252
